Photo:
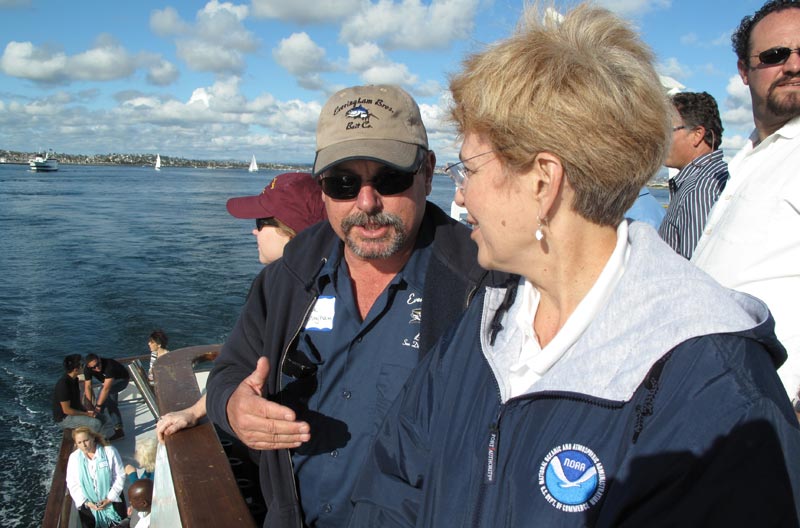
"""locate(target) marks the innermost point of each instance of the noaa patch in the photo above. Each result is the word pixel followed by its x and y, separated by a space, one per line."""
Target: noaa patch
pixel 572 478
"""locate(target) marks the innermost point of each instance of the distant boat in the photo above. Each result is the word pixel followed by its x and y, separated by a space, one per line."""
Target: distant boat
pixel 253 165
pixel 158 161
pixel 44 162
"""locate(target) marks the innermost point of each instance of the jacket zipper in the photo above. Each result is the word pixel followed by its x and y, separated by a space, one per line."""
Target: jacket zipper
pixel 280 388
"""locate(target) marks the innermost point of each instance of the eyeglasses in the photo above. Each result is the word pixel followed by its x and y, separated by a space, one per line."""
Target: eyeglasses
pixel 676 128
pixel 96 366
pixel 459 173
pixel 775 56
pixel 261 223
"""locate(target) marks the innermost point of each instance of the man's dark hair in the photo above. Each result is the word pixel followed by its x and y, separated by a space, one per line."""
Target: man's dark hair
pixel 71 362
pixel 741 37
pixel 700 109
pixel 160 338
pixel 91 357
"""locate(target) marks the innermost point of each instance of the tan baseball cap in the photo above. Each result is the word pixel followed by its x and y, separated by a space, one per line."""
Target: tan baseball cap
pixel 376 122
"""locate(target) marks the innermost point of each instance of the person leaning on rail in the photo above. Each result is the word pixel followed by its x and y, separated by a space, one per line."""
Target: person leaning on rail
pixel 612 384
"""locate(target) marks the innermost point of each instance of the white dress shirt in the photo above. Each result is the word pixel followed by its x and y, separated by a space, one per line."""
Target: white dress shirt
pixel 751 241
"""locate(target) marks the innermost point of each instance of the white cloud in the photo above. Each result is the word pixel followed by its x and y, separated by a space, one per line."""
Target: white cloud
pixel 690 39
pixel 409 24
pixel 673 68
pixel 106 61
pixel 300 55
pixel 305 11
pixel 24 60
pixel 634 7
pixel 166 22
pixel 163 73
pixel 738 115
pixel 374 67
pixel 217 42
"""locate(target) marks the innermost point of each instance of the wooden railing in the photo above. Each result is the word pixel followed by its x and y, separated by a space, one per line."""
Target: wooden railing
pixel 205 487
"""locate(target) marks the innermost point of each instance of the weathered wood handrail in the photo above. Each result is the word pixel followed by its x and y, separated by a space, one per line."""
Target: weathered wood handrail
pixel 56 512
pixel 205 487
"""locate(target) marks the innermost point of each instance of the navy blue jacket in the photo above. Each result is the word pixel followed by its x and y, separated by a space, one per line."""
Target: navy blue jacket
pixel 619 432
pixel 279 304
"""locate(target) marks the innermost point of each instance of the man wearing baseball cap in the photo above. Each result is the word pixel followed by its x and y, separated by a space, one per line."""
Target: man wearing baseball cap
pixel 330 333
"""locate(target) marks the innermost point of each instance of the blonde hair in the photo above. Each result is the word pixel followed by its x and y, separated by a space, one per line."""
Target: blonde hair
pixel 145 453
pixel 98 438
pixel 582 88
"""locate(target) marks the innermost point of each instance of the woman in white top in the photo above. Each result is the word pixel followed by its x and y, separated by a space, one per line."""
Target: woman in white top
pixel 95 478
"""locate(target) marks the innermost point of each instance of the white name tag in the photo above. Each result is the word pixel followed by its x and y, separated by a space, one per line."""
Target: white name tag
pixel 321 318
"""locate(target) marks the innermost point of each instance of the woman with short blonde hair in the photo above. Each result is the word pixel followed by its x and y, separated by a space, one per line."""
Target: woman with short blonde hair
pixel 610 383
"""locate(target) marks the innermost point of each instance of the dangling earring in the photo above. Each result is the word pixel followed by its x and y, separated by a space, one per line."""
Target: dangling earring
pixel 539 233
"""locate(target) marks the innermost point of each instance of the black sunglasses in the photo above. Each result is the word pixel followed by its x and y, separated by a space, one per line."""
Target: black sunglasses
pixel 387 182
pixel 775 56
pixel 261 223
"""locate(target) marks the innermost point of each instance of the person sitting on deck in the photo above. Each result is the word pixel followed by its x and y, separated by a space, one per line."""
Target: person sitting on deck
pixel 67 409
pixel 140 495
pixel 95 479
pixel 145 455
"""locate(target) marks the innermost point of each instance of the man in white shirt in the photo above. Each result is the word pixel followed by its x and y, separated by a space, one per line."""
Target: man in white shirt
pixel 752 238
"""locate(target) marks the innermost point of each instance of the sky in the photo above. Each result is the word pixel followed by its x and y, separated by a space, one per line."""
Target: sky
pixel 226 80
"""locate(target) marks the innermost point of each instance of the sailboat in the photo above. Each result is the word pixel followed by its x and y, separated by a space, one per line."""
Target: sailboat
pixel 158 161
pixel 253 165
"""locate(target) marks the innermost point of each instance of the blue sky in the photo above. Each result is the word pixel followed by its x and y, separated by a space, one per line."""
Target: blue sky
pixel 225 80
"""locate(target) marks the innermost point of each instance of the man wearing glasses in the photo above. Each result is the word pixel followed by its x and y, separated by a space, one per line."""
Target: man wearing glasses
pixel 331 331
pixel 113 377
pixel 696 137
pixel 751 241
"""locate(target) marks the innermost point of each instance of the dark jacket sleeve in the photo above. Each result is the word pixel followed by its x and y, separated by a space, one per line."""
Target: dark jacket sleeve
pixel 388 492
pixel 239 354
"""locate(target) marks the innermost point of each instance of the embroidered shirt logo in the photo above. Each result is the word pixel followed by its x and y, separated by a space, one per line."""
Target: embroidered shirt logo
pixel 572 478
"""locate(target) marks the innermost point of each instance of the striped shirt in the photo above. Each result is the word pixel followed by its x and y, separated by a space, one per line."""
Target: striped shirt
pixel 692 194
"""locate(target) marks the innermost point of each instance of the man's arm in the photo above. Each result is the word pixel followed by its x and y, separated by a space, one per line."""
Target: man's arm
pixel 69 411
pixel 87 390
pixel 101 398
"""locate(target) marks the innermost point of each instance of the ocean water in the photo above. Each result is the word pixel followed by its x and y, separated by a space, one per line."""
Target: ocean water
pixel 92 259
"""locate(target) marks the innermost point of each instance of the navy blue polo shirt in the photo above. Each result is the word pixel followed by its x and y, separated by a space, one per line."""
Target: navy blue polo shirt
pixel 360 368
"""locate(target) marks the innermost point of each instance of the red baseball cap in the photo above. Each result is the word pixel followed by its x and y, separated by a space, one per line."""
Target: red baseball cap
pixel 294 198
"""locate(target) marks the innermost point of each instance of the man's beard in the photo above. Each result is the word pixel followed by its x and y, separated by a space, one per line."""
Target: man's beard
pixel 785 105
pixel 379 248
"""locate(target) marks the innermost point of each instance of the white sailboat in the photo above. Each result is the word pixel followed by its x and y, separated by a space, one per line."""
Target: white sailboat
pixel 158 161
pixel 253 165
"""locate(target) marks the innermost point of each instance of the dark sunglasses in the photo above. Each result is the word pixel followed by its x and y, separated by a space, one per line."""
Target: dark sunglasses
pixel 96 366
pixel 775 56
pixel 261 223
pixel 387 182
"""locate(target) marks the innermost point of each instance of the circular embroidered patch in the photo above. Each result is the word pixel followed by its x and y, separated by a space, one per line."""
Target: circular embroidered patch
pixel 572 478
